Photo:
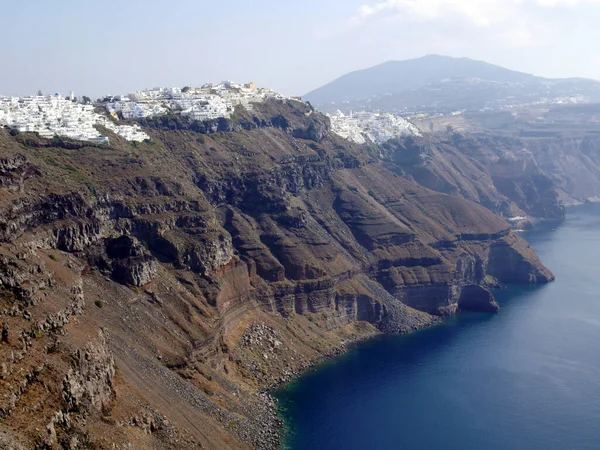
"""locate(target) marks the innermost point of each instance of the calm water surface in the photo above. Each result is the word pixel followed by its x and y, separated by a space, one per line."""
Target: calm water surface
pixel 526 378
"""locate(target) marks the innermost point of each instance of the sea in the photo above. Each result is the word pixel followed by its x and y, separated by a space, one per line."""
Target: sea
pixel 525 378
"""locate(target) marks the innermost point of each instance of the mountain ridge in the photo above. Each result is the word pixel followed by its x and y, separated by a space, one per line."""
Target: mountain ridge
pixel 396 78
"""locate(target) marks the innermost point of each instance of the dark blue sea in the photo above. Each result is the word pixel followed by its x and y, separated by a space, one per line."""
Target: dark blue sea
pixel 526 378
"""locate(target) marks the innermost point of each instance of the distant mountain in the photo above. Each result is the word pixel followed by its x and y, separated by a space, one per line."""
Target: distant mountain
pixel 437 83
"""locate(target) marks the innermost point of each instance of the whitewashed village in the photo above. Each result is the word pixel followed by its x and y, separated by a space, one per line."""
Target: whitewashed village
pixel 364 126
pixel 211 101
pixel 54 115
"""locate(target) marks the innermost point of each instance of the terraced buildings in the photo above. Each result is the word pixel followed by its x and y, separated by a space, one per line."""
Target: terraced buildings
pixel 211 101
pixel 54 115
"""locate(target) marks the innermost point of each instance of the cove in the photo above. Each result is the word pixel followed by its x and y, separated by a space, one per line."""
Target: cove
pixel 526 378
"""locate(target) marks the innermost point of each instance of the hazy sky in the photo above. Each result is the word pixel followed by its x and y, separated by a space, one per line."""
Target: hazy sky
pixel 113 46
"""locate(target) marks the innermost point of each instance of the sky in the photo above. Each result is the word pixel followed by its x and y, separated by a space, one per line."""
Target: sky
pixel 117 46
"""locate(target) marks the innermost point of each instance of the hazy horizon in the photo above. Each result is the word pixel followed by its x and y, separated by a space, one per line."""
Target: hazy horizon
pixel 97 49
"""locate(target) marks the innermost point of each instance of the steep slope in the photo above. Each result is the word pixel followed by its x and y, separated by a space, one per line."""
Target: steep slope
pixel 151 291
pixel 437 83
pixel 516 163
pixel 498 172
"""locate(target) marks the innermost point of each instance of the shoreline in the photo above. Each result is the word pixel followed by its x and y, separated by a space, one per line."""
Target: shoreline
pixel 410 388
pixel 275 427
pixel 277 424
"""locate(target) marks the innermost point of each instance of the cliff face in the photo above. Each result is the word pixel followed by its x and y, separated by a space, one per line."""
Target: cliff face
pixel 520 162
pixel 571 163
pixel 507 175
pixel 213 265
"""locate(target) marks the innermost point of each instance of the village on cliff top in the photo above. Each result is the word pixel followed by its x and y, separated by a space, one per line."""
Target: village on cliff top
pixel 70 117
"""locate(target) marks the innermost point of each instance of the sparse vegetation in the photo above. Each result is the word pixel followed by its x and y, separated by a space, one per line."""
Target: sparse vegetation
pixel 99 304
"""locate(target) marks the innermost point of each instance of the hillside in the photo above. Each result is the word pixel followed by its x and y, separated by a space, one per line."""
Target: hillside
pixel 151 291
pixel 442 84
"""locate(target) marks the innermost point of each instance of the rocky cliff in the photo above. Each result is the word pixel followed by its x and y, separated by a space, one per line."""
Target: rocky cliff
pixel 521 162
pixel 150 291
pixel 505 174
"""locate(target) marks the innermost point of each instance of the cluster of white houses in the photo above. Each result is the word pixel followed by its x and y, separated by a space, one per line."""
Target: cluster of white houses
pixel 53 115
pixel 376 127
pixel 210 101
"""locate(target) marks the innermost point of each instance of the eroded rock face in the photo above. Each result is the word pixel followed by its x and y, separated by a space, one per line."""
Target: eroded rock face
pixel 214 253
pixel 14 171
pixel 89 384
pixel 478 299
pixel 313 217
pixel 510 261
pixel 501 173
pixel 136 271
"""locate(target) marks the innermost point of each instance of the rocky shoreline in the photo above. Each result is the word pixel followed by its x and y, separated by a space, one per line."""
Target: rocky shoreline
pixel 274 431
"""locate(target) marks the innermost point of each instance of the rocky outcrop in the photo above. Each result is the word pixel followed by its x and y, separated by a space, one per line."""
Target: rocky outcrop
pixel 136 271
pixel 14 170
pixel 89 384
pixel 478 299
pixel 510 261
